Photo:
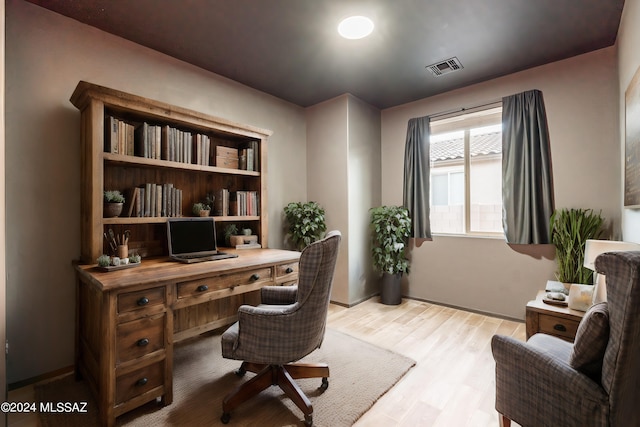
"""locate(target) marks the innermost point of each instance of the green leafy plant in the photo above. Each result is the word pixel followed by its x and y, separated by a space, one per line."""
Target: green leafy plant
pixel 305 223
pixel 113 196
pixel 391 229
pixel 104 260
pixel 135 258
pixel 230 230
pixel 570 229
pixel 197 207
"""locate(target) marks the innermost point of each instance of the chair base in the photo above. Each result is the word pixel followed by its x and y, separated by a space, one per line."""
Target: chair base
pixel 281 375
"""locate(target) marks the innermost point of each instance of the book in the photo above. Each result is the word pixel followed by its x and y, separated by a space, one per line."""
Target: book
pixel 111 135
pixel 555 286
pixel 130 196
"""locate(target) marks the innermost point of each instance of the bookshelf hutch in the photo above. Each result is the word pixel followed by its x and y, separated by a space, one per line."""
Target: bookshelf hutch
pixel 125 170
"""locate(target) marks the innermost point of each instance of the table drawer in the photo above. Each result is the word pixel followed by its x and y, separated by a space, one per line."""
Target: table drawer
pixel 141 299
pixel 139 381
pixel 558 326
pixel 139 337
pixel 226 281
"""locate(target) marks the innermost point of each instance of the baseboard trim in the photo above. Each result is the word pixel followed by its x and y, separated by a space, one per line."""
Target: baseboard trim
pixel 49 376
pixel 471 310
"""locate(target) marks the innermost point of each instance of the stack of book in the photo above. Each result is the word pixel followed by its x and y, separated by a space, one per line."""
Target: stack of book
pixel 244 203
pixel 156 142
pixel 119 137
pixel 153 200
pixel 221 203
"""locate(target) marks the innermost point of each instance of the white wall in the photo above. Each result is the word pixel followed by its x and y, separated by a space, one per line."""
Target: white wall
pixel 47 54
pixel 343 156
pixel 582 109
pixel 628 62
pixel 364 193
pixel 327 181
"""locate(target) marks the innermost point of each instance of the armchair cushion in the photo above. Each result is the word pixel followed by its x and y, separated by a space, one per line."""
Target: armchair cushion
pixel 591 342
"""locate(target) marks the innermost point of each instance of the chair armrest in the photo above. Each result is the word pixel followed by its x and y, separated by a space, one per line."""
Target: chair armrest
pixel 277 295
pixel 536 385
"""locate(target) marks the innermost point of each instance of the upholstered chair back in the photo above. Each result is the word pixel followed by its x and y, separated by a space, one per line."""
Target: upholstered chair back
pixel 315 277
pixel 621 366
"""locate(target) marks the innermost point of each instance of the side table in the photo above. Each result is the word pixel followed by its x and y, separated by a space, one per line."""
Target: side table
pixel 559 321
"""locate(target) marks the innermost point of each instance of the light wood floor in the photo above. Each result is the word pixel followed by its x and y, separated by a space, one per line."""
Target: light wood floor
pixel 452 383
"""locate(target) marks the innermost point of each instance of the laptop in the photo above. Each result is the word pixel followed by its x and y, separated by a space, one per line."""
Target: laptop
pixel 193 240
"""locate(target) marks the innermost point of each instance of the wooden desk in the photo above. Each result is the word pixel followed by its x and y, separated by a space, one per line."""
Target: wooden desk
pixel 551 319
pixel 128 320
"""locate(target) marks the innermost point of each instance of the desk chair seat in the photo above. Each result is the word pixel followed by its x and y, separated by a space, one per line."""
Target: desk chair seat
pixel 288 325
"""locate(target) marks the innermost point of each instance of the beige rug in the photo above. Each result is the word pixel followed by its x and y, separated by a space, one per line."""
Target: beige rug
pixel 360 374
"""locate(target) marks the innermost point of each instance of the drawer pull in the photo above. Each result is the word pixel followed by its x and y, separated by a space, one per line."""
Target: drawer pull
pixel 289 270
pixel 255 276
pixel 143 301
pixel 142 342
pixel 202 288
pixel 141 382
pixel 559 327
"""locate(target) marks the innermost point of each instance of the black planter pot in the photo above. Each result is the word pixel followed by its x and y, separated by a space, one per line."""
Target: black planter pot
pixel 391 290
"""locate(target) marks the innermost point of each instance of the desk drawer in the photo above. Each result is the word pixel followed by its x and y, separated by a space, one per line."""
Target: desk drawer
pixel 139 381
pixel 287 271
pixel 558 326
pixel 226 281
pixel 141 299
pixel 139 337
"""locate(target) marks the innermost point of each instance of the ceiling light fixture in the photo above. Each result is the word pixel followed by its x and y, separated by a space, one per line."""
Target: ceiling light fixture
pixel 355 27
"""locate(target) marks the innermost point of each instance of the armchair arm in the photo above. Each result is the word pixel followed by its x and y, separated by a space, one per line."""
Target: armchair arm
pixel 535 385
pixel 278 295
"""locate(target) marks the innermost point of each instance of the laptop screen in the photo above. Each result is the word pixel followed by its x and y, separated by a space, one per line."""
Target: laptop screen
pixel 191 236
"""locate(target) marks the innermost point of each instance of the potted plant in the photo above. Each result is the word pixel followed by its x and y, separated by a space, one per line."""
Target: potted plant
pixel 305 223
pixel 113 201
pixel 569 231
pixel 391 229
pixel 230 230
pixel 201 209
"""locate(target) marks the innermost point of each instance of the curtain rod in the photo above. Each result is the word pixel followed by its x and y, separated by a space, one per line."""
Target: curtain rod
pixel 460 110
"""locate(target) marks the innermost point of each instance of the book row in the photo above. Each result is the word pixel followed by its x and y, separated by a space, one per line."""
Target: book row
pixel 151 200
pixel 165 200
pixel 169 143
pixel 236 203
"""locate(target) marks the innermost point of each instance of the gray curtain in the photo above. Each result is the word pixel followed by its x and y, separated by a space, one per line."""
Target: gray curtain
pixel 416 177
pixel 527 186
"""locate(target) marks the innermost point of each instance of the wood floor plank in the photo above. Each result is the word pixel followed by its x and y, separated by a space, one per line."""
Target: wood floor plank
pixel 453 382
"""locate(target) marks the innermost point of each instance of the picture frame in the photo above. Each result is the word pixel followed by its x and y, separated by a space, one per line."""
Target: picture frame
pixel 632 143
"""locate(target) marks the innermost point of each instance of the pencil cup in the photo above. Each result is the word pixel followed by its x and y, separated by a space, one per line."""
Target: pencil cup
pixel 123 251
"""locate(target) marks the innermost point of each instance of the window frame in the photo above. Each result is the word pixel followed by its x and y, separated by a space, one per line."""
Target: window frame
pixel 473 119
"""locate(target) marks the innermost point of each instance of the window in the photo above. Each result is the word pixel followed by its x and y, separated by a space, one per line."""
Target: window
pixel 466 173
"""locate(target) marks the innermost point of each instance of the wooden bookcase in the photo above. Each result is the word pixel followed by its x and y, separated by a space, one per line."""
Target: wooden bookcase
pixel 104 170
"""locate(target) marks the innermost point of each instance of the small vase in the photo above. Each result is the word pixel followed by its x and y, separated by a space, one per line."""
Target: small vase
pixel 204 213
pixel 112 210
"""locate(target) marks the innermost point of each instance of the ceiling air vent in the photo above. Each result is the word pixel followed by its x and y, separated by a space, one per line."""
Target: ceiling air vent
pixel 445 67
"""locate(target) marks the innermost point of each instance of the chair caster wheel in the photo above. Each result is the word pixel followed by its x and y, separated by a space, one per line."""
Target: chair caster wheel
pixel 325 384
pixel 240 371
pixel 308 420
pixel 225 418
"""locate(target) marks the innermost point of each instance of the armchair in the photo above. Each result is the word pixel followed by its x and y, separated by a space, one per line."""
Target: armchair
pixel 288 325
pixel 543 382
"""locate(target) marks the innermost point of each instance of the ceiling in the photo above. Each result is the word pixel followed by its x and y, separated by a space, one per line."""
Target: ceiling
pixel 291 49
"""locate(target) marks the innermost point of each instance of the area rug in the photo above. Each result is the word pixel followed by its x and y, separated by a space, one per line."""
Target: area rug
pixel 359 374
